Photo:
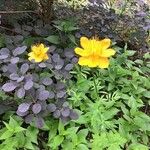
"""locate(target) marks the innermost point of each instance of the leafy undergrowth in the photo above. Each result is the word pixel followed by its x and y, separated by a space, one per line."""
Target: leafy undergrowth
pixel 112 104
pixel 53 103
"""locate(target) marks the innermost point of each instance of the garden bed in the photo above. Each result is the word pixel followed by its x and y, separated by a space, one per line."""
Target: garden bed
pixel 78 82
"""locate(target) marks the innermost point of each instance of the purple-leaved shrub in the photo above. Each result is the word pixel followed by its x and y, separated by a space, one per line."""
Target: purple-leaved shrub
pixel 39 88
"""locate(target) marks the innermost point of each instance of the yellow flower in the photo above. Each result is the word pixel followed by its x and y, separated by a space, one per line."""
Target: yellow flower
pixel 94 53
pixel 38 53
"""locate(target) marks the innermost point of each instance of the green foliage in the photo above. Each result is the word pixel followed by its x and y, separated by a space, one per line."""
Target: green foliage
pixel 109 140
pixel 69 137
pixel 116 114
pixel 65 29
pixel 13 136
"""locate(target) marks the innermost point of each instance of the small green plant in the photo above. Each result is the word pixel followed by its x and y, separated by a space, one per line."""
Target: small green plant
pixel 65 29
pixel 13 136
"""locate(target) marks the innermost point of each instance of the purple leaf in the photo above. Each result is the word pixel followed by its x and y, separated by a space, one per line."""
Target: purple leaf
pixel 24 107
pixel 69 53
pixel 20 79
pixel 68 67
pixel 4 51
pixel 64 119
pixel 36 108
pixel 22 114
pixel 73 115
pixel 28 77
pixel 28 85
pixel 42 65
pixel 21 92
pixel 56 114
pixel 60 85
pixel 10 86
pixel 51 107
pixel 14 76
pixel 51 95
pixel 12 68
pixel 43 104
pixel 4 68
pixel 47 81
pixel 43 95
pixel 52 48
pixel 24 68
pixel 56 57
pixel 39 122
pixel 59 64
pixel 29 118
pixel 60 94
pixel 19 50
pixel 3 56
pixel 35 77
pixel 14 60
pixel 65 112
pixel 74 60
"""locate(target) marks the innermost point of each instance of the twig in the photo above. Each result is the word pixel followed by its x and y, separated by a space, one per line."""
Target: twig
pixel 16 12
pixel 5 28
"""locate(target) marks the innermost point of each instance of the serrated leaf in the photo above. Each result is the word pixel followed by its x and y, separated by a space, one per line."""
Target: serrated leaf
pixel 6 134
pixel 57 141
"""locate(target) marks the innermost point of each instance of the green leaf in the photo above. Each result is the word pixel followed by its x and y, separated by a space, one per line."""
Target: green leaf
pixel 146 94
pixel 82 135
pixel 53 39
pixel 61 127
pixel 72 38
pixel 19 129
pixel 30 40
pixel 67 145
pixel 13 123
pixel 20 141
pixel 10 144
pixel 147 55
pixel 72 28
pixel 110 113
pixel 130 52
pixel 29 145
pixel 82 147
pixel 137 146
pixel 8 127
pixel 7 134
pixel 31 134
pixel 56 141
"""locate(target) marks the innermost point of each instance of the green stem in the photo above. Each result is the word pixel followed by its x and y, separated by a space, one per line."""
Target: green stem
pixel 95 85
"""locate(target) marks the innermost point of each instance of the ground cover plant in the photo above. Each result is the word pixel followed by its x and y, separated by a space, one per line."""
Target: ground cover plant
pixel 74 83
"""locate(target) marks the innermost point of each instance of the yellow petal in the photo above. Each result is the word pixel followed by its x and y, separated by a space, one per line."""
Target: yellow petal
pixel 108 52
pixel 31 54
pixel 41 46
pixel 81 51
pixel 105 43
pixel 30 58
pixel 45 49
pixel 84 41
pixel 83 61
pixel 93 61
pixel 103 62
pixel 34 48
pixel 38 59
pixel 46 57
